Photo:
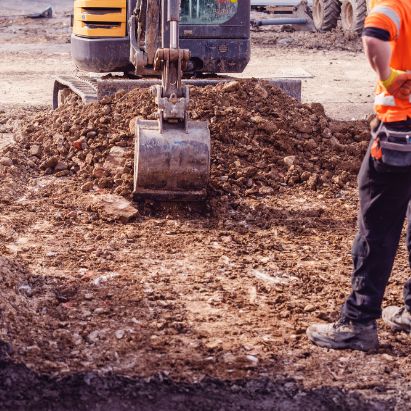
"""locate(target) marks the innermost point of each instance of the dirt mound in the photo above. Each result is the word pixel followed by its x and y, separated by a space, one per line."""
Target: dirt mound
pixel 286 37
pixel 262 140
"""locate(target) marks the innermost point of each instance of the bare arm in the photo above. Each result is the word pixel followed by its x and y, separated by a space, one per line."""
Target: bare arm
pixel 378 53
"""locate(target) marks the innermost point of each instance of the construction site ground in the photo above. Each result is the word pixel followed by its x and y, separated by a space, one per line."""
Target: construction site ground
pixel 198 306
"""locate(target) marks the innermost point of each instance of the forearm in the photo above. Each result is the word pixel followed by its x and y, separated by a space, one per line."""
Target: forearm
pixel 378 53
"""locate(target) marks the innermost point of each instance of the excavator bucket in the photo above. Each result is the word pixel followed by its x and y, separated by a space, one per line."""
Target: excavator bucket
pixel 172 164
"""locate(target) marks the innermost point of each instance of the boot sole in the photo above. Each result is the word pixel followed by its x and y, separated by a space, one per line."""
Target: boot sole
pixel 396 327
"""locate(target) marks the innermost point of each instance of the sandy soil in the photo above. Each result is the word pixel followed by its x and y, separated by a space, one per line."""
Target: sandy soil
pixel 188 308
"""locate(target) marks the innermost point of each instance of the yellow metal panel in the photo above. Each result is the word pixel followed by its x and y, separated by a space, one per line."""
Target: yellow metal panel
pixel 81 28
pixel 100 3
pixel 81 14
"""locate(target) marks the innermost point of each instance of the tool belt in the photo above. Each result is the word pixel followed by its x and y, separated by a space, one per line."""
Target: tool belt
pixel 391 147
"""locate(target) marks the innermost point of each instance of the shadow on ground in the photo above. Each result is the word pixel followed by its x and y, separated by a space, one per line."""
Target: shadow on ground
pixel 23 389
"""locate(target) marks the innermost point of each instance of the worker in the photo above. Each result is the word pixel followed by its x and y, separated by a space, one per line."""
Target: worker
pixel 384 187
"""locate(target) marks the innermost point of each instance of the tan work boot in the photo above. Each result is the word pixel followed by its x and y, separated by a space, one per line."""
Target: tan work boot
pixel 344 334
pixel 398 318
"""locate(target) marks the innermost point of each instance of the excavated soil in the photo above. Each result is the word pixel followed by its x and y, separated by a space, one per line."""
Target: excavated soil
pixel 286 37
pixel 262 141
pixel 199 305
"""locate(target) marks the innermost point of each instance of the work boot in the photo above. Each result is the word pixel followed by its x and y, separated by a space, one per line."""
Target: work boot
pixel 344 334
pixel 398 318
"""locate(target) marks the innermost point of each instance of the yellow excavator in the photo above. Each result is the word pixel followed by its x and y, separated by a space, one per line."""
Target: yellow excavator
pixel 167 45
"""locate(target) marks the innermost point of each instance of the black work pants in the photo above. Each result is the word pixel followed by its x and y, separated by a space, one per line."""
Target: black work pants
pixel 385 194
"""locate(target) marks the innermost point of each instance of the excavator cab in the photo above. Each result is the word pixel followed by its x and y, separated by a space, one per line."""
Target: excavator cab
pixel 217 33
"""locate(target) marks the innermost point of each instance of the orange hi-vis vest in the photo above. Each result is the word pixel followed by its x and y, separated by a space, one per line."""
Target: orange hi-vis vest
pixel 393 16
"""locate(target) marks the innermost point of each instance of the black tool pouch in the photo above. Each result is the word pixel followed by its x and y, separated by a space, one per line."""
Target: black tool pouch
pixel 394 147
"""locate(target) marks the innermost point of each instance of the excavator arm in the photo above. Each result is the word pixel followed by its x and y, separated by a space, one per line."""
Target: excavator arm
pixel 172 154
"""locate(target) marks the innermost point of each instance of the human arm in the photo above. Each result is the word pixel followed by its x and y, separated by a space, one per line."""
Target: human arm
pixel 378 53
pixel 382 29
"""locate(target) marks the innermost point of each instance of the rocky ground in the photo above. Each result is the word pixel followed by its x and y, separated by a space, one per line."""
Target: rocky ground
pixel 290 39
pixel 112 305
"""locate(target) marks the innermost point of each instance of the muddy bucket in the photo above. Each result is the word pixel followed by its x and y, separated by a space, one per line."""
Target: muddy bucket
pixel 173 165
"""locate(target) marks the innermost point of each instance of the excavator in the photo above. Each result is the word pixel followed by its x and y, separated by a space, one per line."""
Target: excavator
pixel 168 45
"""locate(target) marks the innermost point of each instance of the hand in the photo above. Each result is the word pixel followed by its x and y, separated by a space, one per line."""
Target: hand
pixel 404 92
pixel 398 84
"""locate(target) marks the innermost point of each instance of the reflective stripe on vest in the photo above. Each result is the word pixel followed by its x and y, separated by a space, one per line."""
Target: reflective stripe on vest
pixel 383 100
pixel 389 101
pixel 390 13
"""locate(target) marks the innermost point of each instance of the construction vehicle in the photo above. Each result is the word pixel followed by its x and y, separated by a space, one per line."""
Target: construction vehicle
pixel 168 45
pixel 352 13
pixel 295 13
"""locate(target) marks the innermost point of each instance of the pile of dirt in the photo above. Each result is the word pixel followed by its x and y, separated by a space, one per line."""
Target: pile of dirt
pixel 23 30
pixel 262 140
pixel 286 37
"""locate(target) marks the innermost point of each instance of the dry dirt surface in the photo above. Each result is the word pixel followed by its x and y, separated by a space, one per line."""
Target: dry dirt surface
pixel 111 305
pixel 290 39
pixel 195 306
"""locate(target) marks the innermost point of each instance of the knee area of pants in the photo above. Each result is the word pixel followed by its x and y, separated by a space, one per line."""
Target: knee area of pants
pixel 358 283
pixel 360 247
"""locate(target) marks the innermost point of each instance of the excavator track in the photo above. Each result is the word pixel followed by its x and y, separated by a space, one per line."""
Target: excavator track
pixel 84 87
pixel 90 90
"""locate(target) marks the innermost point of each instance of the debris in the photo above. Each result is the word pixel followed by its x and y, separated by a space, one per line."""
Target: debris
pixel 119 334
pixel 231 86
pixel 278 279
pixel 93 336
pixel 60 166
pixel 252 359
pixel 252 294
pixel 194 287
pixel 50 162
pixel 35 150
pixel 115 159
pixel 5 161
pixel 289 160
pixel 104 278
pixel 87 186
pixel 309 308
pixel 256 133
pixel 113 207
pixel 26 290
